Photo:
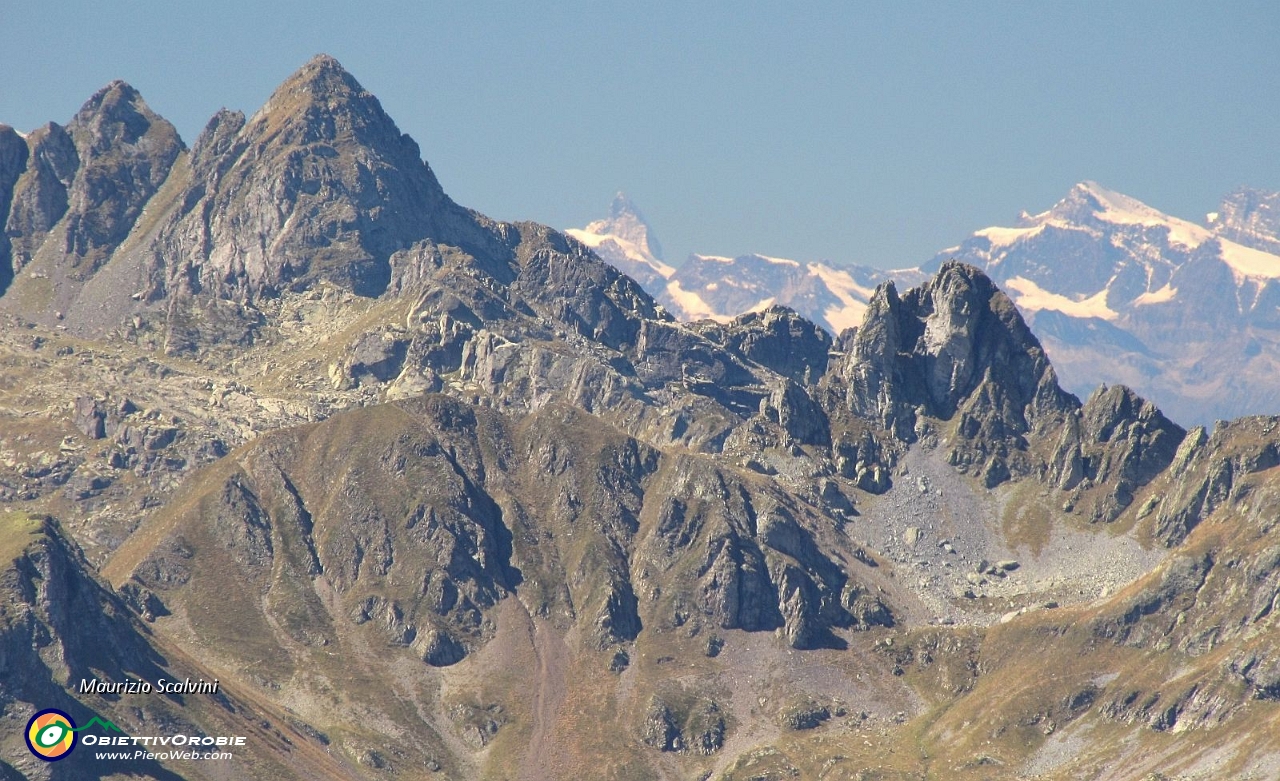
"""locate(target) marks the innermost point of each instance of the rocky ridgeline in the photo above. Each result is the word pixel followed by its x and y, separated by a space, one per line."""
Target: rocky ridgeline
pixel 557 453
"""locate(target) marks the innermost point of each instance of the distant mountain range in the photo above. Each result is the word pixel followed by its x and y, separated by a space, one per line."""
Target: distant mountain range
pixel 1119 292
pixel 434 496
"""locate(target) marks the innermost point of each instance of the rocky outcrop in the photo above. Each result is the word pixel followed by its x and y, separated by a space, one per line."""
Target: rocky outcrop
pixel 126 151
pixel 13 161
pixel 1250 217
pixel 1209 469
pixel 777 338
pixel 97 174
pixel 318 185
pixel 697 728
pixel 957 350
pixel 1117 444
pixel 40 196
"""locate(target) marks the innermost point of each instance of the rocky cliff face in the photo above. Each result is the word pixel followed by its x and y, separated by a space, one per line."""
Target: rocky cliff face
pixel 955 349
pixel 1249 217
pixel 310 177
pixel 90 179
pixel 462 477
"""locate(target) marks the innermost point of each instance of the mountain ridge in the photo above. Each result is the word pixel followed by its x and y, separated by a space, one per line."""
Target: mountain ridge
pixel 1119 286
pixel 503 516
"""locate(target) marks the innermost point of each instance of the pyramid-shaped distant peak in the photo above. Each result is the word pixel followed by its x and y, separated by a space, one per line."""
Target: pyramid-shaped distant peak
pixel 627 222
pixel 623 205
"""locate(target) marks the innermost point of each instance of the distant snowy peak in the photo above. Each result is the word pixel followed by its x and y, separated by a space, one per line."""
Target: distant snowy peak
pixel 1096 251
pixel 626 241
pixel 1186 314
pixel 719 288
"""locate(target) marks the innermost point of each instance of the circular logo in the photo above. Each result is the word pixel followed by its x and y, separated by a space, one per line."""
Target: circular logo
pixel 51 735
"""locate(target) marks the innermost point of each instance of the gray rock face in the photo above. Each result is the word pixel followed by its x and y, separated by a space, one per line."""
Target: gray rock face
pixel 1209 469
pixel 318 185
pixel 1126 442
pixel 40 194
pixel 13 161
pixel 1250 217
pixel 954 348
pixel 97 174
pixel 775 337
pixel 126 152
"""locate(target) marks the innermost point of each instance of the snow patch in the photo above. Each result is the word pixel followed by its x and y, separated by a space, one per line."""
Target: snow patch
pixel 780 261
pixel 692 305
pixel 852 296
pixel 1164 294
pixel 629 249
pixel 1033 298
pixel 1249 262
pixel 1003 237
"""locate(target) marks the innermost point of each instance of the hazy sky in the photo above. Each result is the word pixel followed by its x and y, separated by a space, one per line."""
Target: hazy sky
pixel 854 132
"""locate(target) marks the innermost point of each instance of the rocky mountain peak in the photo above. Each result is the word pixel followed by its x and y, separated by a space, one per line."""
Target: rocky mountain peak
pixel 322 102
pixel 1250 217
pixel 115 115
pixel 325 180
pixel 626 221
pixel 1082 204
pixel 626 242
pixel 956 349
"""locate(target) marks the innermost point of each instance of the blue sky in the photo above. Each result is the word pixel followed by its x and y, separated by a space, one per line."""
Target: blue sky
pixel 854 132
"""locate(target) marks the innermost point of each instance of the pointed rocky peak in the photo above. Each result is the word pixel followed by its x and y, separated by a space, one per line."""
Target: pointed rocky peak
pixel 39 197
pixel 1083 202
pixel 955 345
pixel 318 184
pixel 626 220
pixel 322 75
pixel 117 116
pixel 218 135
pixel 622 206
pixel 626 242
pixel 963 327
pixel 323 103
pixel 628 224
pixel 53 152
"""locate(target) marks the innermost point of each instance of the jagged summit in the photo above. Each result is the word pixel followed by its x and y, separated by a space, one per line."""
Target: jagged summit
pixel 77 191
pixel 323 102
pixel 627 221
pixel 325 179
pixel 321 81
pixel 933 347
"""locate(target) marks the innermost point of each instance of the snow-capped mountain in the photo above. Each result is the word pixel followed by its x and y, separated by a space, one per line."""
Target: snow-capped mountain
pixel 626 242
pixel 1120 292
pixel 1186 314
pixel 720 288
